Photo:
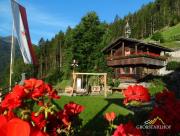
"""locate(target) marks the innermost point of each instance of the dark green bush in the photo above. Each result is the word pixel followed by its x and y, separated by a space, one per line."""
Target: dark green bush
pixel 110 82
pixel 173 65
pixel 156 86
pixel 54 77
pixel 113 82
pixel 116 82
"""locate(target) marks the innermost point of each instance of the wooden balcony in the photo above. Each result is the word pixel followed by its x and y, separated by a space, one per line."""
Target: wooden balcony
pixel 136 60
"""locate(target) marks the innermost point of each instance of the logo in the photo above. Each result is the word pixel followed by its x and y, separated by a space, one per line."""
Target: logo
pixel 152 122
pixel 156 123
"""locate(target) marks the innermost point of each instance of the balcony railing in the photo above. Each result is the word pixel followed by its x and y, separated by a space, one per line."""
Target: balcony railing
pixel 127 76
pixel 136 60
pixel 138 54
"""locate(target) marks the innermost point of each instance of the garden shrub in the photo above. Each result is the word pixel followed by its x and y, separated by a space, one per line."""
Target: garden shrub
pixel 110 82
pixel 93 81
pixel 63 84
pixel 116 82
pixel 156 86
pixel 173 65
pixel 113 82
pixel 54 77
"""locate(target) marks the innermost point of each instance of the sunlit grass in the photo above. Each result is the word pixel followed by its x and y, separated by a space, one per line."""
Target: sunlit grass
pixel 96 107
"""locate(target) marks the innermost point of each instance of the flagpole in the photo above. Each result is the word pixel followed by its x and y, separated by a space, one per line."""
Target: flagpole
pixel 12 55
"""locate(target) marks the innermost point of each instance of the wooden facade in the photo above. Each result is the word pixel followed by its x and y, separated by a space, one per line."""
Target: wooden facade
pixel 134 59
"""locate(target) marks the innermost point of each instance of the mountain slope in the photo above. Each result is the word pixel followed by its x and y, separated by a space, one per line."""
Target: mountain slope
pixel 5 52
pixel 170 36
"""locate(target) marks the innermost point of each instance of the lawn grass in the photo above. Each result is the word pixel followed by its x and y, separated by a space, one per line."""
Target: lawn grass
pixel 95 107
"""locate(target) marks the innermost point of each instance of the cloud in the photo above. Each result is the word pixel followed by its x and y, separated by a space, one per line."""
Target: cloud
pixel 42 22
pixel 5 10
pixel 6 18
pixel 49 20
pixel 45 24
pixel 41 17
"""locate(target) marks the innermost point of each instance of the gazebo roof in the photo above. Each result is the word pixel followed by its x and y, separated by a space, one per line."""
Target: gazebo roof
pixel 136 42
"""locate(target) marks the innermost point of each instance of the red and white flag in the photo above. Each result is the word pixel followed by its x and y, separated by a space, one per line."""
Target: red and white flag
pixel 22 31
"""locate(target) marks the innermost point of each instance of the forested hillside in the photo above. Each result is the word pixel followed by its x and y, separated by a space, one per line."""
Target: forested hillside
pixel 5 45
pixel 85 41
pixel 168 36
pixel 149 19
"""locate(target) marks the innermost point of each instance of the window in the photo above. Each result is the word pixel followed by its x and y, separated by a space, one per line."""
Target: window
pixel 127 51
pixel 127 70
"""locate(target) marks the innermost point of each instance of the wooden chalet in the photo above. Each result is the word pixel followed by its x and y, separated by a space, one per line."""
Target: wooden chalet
pixel 132 59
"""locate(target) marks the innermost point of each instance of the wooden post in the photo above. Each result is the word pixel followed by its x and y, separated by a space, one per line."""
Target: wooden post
pixel 147 50
pixel 74 80
pixel 135 49
pixel 147 70
pixel 12 57
pixel 123 49
pixel 111 53
pixel 135 69
pixel 105 85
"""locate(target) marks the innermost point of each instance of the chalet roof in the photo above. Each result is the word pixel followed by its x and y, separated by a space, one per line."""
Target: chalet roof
pixel 135 41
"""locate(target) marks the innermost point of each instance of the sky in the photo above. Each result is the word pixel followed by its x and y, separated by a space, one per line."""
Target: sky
pixel 47 17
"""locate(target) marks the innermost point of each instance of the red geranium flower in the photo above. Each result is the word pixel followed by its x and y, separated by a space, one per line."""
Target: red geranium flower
pixel 110 116
pixel 36 88
pixel 127 130
pixel 64 118
pixel 3 120
pixel 32 83
pixel 51 93
pixel 40 103
pixel 165 97
pixel 37 92
pixel 11 101
pixel 19 91
pixel 167 109
pixel 37 132
pixel 136 93
pixel 18 127
pixel 54 95
pixel 54 122
pixel 14 127
pixel 73 109
pixel 39 119
pixel 10 115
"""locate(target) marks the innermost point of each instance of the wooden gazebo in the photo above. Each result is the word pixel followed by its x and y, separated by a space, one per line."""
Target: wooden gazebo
pixel 75 75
